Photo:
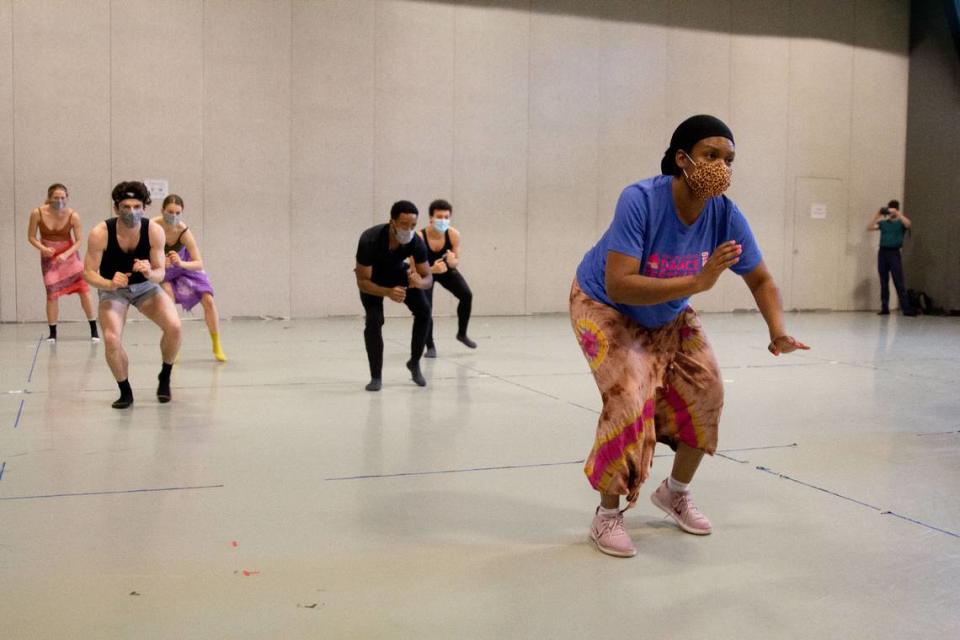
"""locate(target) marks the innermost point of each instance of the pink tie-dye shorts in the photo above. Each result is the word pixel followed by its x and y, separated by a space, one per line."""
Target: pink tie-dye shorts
pixel 657 385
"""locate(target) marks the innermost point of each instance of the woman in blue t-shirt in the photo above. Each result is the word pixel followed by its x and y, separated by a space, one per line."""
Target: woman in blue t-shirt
pixel 671 237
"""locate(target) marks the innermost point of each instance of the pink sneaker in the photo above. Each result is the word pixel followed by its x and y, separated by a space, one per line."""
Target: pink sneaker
pixel 610 536
pixel 680 507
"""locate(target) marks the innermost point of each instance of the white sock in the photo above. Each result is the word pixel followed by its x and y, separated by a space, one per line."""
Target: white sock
pixel 608 513
pixel 677 487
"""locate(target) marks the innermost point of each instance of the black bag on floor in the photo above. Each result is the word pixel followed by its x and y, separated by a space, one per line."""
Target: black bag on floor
pixel 923 303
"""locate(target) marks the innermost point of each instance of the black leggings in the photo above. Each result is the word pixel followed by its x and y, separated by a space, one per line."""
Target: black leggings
pixel 416 301
pixel 453 282
pixel 889 264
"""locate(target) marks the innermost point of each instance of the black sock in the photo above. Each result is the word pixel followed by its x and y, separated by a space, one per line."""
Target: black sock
pixel 93 329
pixel 53 332
pixel 163 388
pixel 126 395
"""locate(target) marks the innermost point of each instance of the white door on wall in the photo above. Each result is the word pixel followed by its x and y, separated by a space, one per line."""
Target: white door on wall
pixel 819 233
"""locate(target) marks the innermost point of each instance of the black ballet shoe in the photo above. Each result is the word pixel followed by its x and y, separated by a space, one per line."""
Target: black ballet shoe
pixel 163 390
pixel 122 402
pixel 467 341
pixel 431 352
pixel 415 374
pixel 374 384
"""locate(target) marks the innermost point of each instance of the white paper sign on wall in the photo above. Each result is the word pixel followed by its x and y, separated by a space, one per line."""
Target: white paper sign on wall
pixel 158 189
pixel 818 211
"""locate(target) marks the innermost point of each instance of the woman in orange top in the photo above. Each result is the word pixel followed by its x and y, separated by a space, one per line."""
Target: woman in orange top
pixel 54 230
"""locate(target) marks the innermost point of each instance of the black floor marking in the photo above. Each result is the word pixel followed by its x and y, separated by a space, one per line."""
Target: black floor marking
pixel 859 502
pixel 106 493
pixel 513 466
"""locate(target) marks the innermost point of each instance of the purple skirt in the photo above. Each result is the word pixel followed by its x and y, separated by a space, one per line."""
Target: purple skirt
pixel 188 286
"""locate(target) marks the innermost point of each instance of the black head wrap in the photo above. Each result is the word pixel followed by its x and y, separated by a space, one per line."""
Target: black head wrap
pixel 689 133
pixel 132 190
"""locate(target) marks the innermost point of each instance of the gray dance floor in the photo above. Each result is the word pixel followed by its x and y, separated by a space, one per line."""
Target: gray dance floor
pixel 275 498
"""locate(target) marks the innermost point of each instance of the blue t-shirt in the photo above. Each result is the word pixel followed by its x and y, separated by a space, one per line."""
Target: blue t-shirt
pixel 646 227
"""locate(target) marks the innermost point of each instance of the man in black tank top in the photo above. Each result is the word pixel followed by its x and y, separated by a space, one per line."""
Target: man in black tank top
pixel 125 261
pixel 382 273
pixel 443 266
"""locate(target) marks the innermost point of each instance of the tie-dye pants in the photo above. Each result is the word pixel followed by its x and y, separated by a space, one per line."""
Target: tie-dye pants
pixel 656 385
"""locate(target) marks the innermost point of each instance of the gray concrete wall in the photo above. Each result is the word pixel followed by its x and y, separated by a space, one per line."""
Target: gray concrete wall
pixel 289 126
pixel 932 200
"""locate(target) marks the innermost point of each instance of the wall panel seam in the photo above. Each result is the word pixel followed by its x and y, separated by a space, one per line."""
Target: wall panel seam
pixel 290 172
pixel 110 92
pixel 13 152
pixel 788 213
pixel 203 116
pixel 851 195
pixel 598 140
pixel 373 118
pixel 726 292
pixel 526 217
pixel 453 108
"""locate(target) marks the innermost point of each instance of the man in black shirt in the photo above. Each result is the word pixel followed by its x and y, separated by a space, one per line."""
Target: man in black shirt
pixel 382 273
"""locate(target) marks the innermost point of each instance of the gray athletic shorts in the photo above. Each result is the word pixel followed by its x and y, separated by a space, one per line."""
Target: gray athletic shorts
pixel 135 294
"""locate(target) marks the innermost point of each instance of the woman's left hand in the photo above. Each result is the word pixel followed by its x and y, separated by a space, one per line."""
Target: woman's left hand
pixel 785 344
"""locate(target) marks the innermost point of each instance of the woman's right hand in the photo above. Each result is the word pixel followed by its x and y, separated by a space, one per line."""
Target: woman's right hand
pixel 46 252
pixel 440 266
pixel 724 257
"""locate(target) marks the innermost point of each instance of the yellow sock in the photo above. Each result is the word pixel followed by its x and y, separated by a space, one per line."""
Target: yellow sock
pixel 217 350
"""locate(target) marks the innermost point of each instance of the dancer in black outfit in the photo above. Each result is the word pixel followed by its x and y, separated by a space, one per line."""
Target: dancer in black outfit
pixel 443 254
pixel 382 273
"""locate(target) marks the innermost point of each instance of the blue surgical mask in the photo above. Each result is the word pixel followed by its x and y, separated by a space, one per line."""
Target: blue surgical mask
pixel 441 224
pixel 132 217
pixel 172 219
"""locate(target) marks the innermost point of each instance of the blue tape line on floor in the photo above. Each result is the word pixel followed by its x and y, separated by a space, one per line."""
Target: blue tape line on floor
pixel 855 501
pixel 106 493
pixel 2 468
pixel 16 423
pixel 720 455
pixel 36 352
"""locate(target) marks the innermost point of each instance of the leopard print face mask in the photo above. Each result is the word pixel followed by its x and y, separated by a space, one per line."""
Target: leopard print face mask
pixel 708 179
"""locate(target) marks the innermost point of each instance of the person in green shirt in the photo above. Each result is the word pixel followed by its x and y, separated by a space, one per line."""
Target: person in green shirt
pixel 892 225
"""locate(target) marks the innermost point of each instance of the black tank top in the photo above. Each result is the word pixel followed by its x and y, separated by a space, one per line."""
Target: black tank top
pixel 177 244
pixel 433 256
pixel 116 259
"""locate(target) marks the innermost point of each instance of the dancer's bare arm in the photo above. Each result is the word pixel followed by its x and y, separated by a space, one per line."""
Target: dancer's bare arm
pixel 625 285
pixel 767 296
pixel 196 264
